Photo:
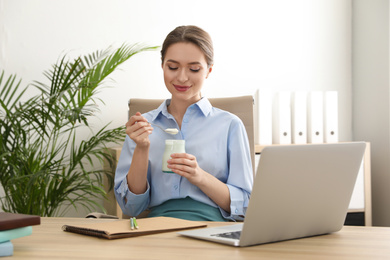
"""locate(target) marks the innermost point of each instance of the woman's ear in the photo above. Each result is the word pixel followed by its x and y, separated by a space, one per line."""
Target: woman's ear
pixel 210 69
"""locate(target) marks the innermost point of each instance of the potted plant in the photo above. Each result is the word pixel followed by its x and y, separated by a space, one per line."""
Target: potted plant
pixel 43 169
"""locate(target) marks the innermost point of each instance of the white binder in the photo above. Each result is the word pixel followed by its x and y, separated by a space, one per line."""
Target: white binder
pixel 299 117
pixel 282 118
pixel 263 117
pixel 315 117
pixel 331 133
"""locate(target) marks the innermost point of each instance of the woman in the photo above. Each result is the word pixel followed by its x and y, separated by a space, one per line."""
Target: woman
pixel 213 179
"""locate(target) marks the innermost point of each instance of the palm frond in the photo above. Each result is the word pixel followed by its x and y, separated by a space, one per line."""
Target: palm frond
pixel 8 91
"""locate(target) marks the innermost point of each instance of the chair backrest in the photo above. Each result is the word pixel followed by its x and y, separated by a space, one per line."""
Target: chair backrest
pixel 240 106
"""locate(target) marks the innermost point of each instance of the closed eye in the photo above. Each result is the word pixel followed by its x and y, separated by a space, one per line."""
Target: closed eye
pixel 172 68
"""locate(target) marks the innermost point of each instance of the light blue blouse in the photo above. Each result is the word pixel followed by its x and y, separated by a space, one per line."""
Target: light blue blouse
pixel 215 137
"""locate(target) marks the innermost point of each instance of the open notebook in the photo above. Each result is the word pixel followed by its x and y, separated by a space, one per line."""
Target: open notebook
pixel 299 191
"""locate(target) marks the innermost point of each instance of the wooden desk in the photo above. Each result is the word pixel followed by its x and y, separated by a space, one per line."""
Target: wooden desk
pixel 48 241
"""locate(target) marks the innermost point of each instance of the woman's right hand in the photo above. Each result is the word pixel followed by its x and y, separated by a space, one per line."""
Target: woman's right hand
pixel 139 129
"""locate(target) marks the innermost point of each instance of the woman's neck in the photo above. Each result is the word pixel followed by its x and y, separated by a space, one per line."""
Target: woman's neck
pixel 177 108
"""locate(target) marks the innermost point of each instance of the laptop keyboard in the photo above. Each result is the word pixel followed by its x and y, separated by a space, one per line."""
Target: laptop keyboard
pixel 231 235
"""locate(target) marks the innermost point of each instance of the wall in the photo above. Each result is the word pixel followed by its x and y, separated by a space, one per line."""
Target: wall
pixel 276 45
pixel 371 101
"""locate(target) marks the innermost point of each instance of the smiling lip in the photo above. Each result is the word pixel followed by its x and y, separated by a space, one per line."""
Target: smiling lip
pixel 181 88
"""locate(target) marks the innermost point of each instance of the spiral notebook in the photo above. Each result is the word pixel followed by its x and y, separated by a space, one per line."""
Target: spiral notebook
pixel 122 228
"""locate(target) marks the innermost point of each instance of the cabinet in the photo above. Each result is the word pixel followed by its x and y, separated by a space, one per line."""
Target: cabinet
pixel 361 198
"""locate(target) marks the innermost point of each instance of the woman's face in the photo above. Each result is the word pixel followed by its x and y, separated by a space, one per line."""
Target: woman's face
pixel 185 69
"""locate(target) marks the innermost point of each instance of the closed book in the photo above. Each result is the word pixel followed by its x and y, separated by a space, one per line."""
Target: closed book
pixel 15 233
pixel 6 248
pixel 16 220
pixel 122 228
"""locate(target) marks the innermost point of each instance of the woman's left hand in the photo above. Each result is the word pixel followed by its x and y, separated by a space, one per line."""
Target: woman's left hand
pixel 186 165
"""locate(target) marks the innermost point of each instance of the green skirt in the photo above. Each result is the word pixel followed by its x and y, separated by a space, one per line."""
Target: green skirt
pixel 188 209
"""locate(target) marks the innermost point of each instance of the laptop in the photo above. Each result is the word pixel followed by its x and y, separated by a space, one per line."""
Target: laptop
pixel 299 191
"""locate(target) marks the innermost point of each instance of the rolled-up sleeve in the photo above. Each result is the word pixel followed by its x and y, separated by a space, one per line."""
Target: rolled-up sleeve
pixel 240 179
pixel 239 200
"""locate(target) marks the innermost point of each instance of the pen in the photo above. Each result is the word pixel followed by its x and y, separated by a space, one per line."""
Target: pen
pixel 135 223
pixel 132 223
